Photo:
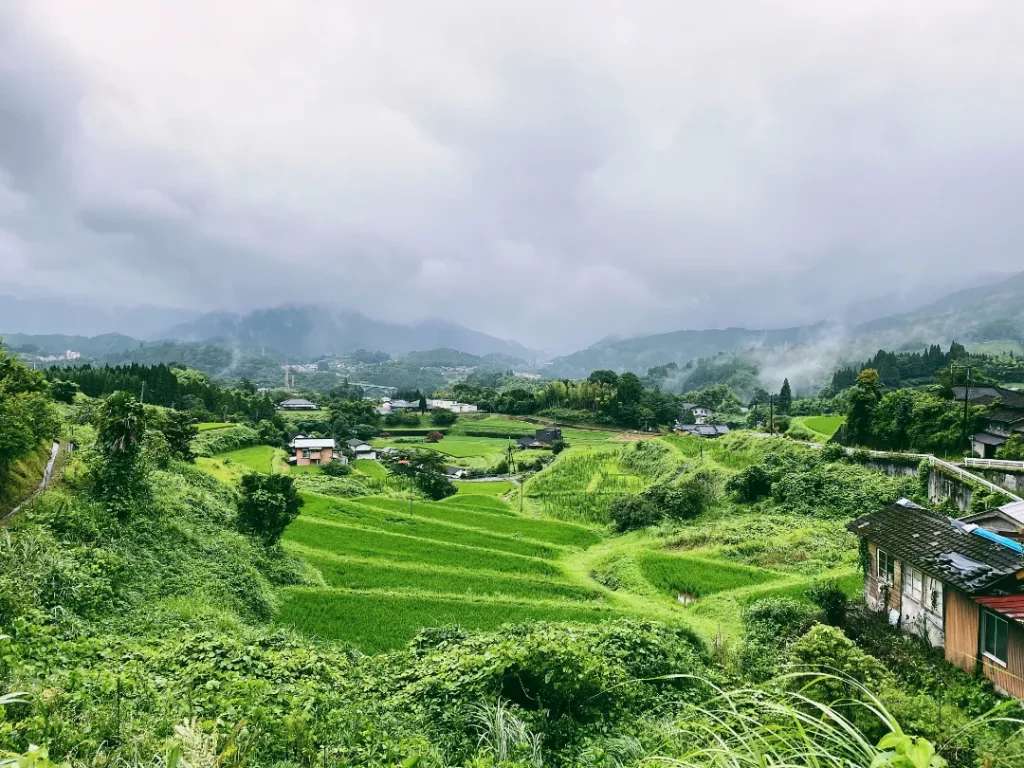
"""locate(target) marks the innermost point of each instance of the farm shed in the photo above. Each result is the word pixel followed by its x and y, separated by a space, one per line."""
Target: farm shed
pixel 955 583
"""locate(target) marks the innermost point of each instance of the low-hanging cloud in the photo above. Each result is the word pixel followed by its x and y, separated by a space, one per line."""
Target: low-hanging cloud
pixel 553 172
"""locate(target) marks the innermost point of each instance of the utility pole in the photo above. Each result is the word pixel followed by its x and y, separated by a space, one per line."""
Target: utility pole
pixel 967 395
pixel 771 414
pixel 142 395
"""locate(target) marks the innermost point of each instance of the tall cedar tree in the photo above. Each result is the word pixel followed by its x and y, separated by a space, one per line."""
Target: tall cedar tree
pixel 785 397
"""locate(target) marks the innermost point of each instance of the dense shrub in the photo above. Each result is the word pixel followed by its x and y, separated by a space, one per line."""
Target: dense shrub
pixel 830 598
pixel 336 469
pixel 441 418
pixel 268 503
pixel 660 502
pixel 829 650
pixel 632 512
pixel 770 625
pixel 750 484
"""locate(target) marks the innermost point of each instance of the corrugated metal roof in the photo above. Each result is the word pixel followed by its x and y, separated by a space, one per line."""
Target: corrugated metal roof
pixel 1011 606
pixel 1015 510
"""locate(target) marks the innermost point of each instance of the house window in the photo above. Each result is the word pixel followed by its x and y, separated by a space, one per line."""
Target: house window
pixel 994 637
pixel 886 567
pixel 913 583
pixel 305 453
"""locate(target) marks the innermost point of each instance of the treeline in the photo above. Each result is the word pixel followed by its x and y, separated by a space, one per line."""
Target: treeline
pixel 27 417
pixel 170 386
pixel 927 420
pixel 899 369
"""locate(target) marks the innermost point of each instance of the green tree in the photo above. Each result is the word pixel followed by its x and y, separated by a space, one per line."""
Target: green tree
pixel 118 472
pixel 27 417
pixel 179 429
pixel 1012 449
pixel 268 503
pixel 64 391
pixel 442 418
pixel 864 399
pixel 785 401
pixel 425 468
pixel 893 419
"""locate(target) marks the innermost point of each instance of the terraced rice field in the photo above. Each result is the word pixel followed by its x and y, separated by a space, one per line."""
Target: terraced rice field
pixel 581 485
pixel 391 567
pixel 464 451
pixel 230 466
pixel 822 426
pixel 206 426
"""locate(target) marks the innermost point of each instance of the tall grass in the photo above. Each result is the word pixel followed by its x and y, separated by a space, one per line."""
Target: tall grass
pixel 786 728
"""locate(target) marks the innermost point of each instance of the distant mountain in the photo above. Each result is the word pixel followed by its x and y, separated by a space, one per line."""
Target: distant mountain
pixel 991 312
pixel 642 352
pixel 305 331
pixel 454 358
pixel 68 316
pixel 57 343
pixel 994 311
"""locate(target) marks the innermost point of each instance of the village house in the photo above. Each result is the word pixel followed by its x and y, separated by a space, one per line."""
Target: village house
pixel 542 438
pixel 388 405
pixel 450 405
pixel 1006 419
pixel 701 415
pixel 949 581
pixel 313 450
pixel 1007 520
pixel 297 404
pixel 360 449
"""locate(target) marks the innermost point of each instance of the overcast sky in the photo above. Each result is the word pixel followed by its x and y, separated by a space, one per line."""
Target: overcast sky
pixel 553 172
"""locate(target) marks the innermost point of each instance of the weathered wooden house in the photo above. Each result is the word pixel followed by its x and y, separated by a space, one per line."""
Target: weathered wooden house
pixel 956 584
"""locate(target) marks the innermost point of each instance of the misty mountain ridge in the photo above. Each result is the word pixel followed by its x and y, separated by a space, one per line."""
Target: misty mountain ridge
pixel 307 331
pixel 994 311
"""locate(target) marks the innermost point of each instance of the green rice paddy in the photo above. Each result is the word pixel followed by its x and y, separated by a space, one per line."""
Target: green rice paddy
pixel 388 565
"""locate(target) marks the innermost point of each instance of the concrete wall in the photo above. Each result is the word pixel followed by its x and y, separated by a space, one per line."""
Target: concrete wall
pixel 1011 481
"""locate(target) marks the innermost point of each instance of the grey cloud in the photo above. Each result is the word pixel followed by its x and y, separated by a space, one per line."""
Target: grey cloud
pixel 554 173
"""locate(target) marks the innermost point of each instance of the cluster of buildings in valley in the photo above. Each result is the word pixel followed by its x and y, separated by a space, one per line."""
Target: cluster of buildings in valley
pixel 388 405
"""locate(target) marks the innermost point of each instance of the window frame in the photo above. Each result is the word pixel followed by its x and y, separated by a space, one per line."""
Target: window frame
pixel 889 577
pixel 909 572
pixel 997 623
